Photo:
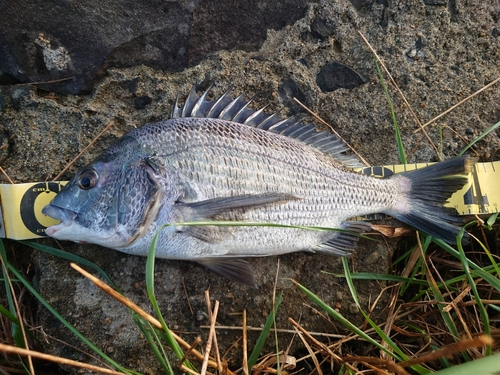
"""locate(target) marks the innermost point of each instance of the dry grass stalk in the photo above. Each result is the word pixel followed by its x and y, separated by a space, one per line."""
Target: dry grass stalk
pixel 316 116
pixel 18 312
pixel 279 330
pixel 450 350
pixel 63 361
pixel 83 151
pixel 401 94
pixel 6 176
pixel 316 342
pixel 45 82
pixel 131 305
pixel 187 297
pixel 210 316
pixel 455 307
pixel 390 365
pixel 195 343
pixel 454 304
pixel 458 104
pixel 210 339
pixel 311 352
pixel 245 343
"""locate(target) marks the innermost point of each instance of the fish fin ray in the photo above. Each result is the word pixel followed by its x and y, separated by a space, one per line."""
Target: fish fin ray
pixel 343 243
pixel 430 188
pixel 212 208
pixel 226 209
pixel 212 234
pixel 227 108
pixel 234 269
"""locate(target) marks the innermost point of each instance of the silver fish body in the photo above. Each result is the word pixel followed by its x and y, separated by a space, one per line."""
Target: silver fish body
pixel 220 161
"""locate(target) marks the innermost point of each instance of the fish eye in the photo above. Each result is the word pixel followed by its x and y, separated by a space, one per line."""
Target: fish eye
pixel 87 179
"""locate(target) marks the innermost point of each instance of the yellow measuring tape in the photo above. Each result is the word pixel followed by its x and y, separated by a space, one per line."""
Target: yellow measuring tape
pixel 21 204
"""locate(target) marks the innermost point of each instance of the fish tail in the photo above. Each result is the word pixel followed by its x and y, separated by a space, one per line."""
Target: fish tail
pixel 426 190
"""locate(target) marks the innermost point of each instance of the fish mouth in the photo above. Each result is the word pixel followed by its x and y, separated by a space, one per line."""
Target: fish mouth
pixel 59 213
pixel 64 215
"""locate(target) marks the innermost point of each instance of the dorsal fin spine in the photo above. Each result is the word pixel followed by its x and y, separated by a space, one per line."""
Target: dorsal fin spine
pixel 237 110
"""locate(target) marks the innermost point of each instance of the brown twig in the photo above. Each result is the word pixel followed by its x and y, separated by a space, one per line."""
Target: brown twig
pixel 64 361
pixel 245 343
pixel 187 296
pixel 449 350
pixel 45 82
pixel 83 151
pixel 18 312
pixel 189 351
pixel 210 339
pixel 458 104
pixel 216 346
pixel 6 175
pixel 401 94
pixel 131 305
pixel 316 116
pixel 392 366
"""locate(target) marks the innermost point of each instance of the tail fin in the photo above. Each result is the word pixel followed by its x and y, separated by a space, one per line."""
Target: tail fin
pixel 427 189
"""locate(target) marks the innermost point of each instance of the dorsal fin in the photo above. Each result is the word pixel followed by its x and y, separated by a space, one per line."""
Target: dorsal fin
pixel 237 110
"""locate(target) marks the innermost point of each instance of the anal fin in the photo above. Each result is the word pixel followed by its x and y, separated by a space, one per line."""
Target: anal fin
pixel 343 243
pixel 234 269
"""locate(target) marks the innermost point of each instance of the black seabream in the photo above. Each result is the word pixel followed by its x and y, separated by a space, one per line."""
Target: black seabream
pixel 219 160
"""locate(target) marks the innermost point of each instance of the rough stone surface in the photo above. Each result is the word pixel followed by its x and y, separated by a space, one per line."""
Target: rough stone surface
pixel 438 55
pixel 51 40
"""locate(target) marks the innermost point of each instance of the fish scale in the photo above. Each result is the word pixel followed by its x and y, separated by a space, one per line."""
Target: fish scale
pixel 220 160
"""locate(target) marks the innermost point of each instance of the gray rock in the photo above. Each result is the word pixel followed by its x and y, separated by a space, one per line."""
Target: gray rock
pixel 3 103
pixel 49 130
pixel 59 40
pixel 334 76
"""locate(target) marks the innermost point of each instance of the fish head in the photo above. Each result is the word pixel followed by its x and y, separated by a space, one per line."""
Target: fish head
pixel 111 202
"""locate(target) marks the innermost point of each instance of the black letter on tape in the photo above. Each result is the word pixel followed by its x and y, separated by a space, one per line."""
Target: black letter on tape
pixel 28 206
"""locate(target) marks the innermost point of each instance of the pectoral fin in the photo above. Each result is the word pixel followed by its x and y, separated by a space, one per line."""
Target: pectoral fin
pixel 211 208
pixel 224 209
pixel 234 269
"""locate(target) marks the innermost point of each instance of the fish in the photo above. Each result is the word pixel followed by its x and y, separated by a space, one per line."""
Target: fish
pixel 221 161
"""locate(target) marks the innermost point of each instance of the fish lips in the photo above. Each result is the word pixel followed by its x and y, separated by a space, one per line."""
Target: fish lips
pixel 59 213
pixel 64 215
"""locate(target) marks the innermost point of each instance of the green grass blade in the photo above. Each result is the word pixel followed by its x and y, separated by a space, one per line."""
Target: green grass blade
pixel 264 334
pixel 401 150
pixel 8 315
pixel 491 220
pixel 397 352
pixel 482 310
pixel 224 223
pixel 377 276
pixel 438 296
pixel 68 324
pixel 411 280
pixel 150 266
pixel 478 271
pixel 340 318
pixel 483 366
pixel 479 137
pixel 71 257
pixel 154 343
pixel 17 333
